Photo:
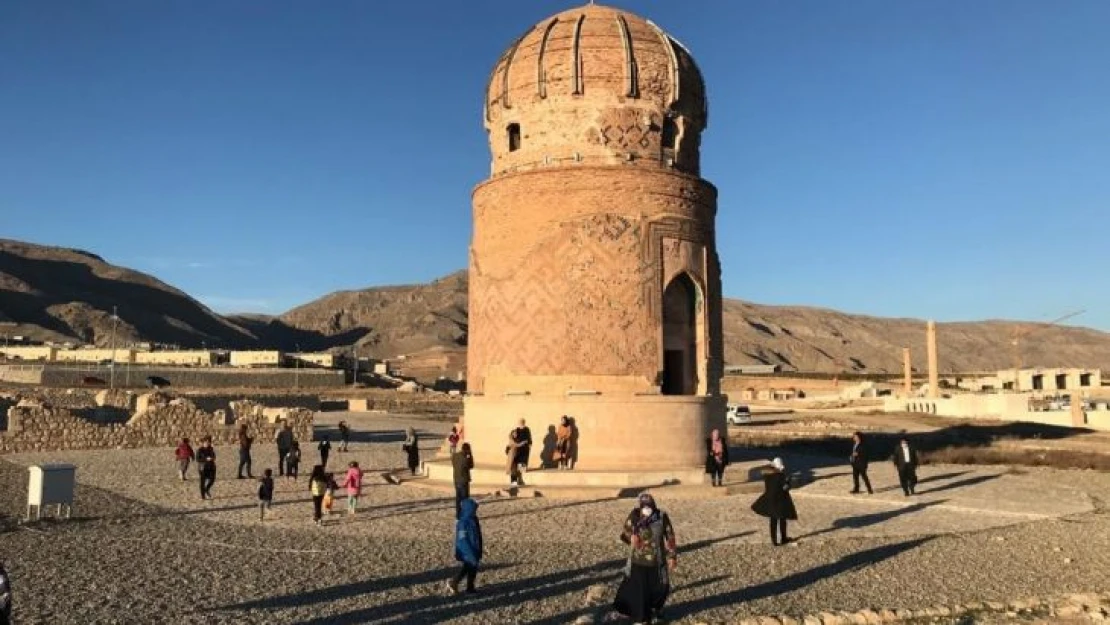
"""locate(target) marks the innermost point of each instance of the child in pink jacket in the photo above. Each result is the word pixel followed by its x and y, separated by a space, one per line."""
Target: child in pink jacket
pixel 353 483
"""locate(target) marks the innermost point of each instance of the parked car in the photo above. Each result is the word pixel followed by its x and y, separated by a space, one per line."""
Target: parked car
pixel 738 415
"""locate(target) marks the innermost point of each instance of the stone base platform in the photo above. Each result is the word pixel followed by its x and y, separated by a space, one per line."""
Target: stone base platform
pixel 583 484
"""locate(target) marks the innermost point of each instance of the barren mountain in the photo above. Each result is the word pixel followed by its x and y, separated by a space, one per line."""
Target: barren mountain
pixel 62 294
pixel 402 320
pixel 59 294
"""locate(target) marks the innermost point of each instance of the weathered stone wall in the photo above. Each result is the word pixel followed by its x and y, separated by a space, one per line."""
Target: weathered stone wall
pixel 212 403
pixel 161 422
pixel 200 377
pixel 408 404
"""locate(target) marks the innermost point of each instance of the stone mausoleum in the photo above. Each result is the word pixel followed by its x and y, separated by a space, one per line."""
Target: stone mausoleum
pixel 595 286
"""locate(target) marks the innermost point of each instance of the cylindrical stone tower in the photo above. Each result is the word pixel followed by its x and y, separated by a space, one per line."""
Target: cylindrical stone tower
pixel 594 278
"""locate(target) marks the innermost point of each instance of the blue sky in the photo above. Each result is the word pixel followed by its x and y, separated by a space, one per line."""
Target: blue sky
pixel 942 159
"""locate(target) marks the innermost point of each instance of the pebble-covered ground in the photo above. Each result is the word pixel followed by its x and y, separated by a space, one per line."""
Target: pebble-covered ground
pixel 144 548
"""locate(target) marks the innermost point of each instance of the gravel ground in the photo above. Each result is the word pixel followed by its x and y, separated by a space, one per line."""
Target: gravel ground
pixel 144 548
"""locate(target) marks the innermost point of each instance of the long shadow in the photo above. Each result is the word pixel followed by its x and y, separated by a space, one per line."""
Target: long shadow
pixel 795 581
pixel 881 445
pixel 866 520
pixel 942 476
pixel 971 481
pixel 571 616
pixel 344 591
pixel 497 594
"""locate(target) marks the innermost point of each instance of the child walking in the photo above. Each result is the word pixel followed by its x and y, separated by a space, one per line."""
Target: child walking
pixel 329 493
pixel 353 484
pixel 468 547
pixel 265 493
pixel 184 454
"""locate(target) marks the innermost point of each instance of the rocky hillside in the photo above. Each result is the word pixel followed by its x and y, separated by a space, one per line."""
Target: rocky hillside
pixel 400 320
pixel 62 294
pixel 59 294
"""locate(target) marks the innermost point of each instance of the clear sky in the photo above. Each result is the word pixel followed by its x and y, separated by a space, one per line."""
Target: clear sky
pixel 944 159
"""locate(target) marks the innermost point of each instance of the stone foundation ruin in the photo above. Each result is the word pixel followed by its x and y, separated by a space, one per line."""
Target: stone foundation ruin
pixel 158 420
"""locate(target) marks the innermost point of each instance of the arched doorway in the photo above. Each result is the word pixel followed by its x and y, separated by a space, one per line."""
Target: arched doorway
pixel 680 340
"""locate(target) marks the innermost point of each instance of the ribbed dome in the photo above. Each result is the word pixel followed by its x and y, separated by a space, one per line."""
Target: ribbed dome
pixel 578 68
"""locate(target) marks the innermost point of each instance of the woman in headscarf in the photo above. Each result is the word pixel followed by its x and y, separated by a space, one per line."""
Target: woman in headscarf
pixel 716 457
pixel 562 443
pixel 412 448
pixel 776 503
pixel 646 584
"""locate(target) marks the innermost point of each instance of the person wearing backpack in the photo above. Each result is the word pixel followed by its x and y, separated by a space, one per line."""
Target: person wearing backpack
pixel 293 461
pixel 318 487
pixel 468 547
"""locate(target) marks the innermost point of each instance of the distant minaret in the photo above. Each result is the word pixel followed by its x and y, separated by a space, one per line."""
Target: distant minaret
pixel 931 348
pixel 907 372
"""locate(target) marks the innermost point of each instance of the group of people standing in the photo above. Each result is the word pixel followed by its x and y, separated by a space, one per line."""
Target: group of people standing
pixel 904 458
pixel 321 483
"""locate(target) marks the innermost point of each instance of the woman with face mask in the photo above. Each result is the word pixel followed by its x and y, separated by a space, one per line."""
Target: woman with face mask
pixel 646 584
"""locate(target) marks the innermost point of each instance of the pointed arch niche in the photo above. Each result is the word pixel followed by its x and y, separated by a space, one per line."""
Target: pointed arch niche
pixel 683 350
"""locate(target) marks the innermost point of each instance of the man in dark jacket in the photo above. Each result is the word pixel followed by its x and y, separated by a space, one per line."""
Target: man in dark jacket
pixel 284 444
pixel 245 442
pixel 206 466
pixel 905 460
pixel 859 461
pixel 462 462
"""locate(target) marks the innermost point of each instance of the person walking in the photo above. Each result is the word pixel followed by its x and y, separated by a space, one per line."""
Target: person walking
pixel 411 447
pixel 284 440
pixel 562 443
pixel 318 487
pixel 265 493
pixel 329 494
pixel 293 460
pixel 776 503
pixel 716 457
pixel 344 435
pixel 859 461
pixel 245 442
pixel 512 469
pixel 461 464
pixel 905 460
pixel 206 465
pixel 353 483
pixel 324 447
pixel 184 455
pixel 652 558
pixel 453 439
pixel 468 547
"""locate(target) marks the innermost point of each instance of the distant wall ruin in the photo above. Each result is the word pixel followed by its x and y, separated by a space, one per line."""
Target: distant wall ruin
pixel 159 421
pixel 179 377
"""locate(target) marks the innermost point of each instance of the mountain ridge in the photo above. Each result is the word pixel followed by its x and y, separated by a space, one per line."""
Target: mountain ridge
pixel 64 294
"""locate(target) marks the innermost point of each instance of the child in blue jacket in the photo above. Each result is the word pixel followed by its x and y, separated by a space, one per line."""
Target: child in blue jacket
pixel 468 546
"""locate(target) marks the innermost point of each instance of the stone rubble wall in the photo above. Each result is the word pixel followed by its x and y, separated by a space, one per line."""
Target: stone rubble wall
pixel 201 377
pixel 160 422
pixel 408 403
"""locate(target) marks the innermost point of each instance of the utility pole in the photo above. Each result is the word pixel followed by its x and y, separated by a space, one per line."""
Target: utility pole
pixel 354 371
pixel 112 364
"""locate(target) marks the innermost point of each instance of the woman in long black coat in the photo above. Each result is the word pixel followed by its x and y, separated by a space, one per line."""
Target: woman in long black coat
pixel 776 503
